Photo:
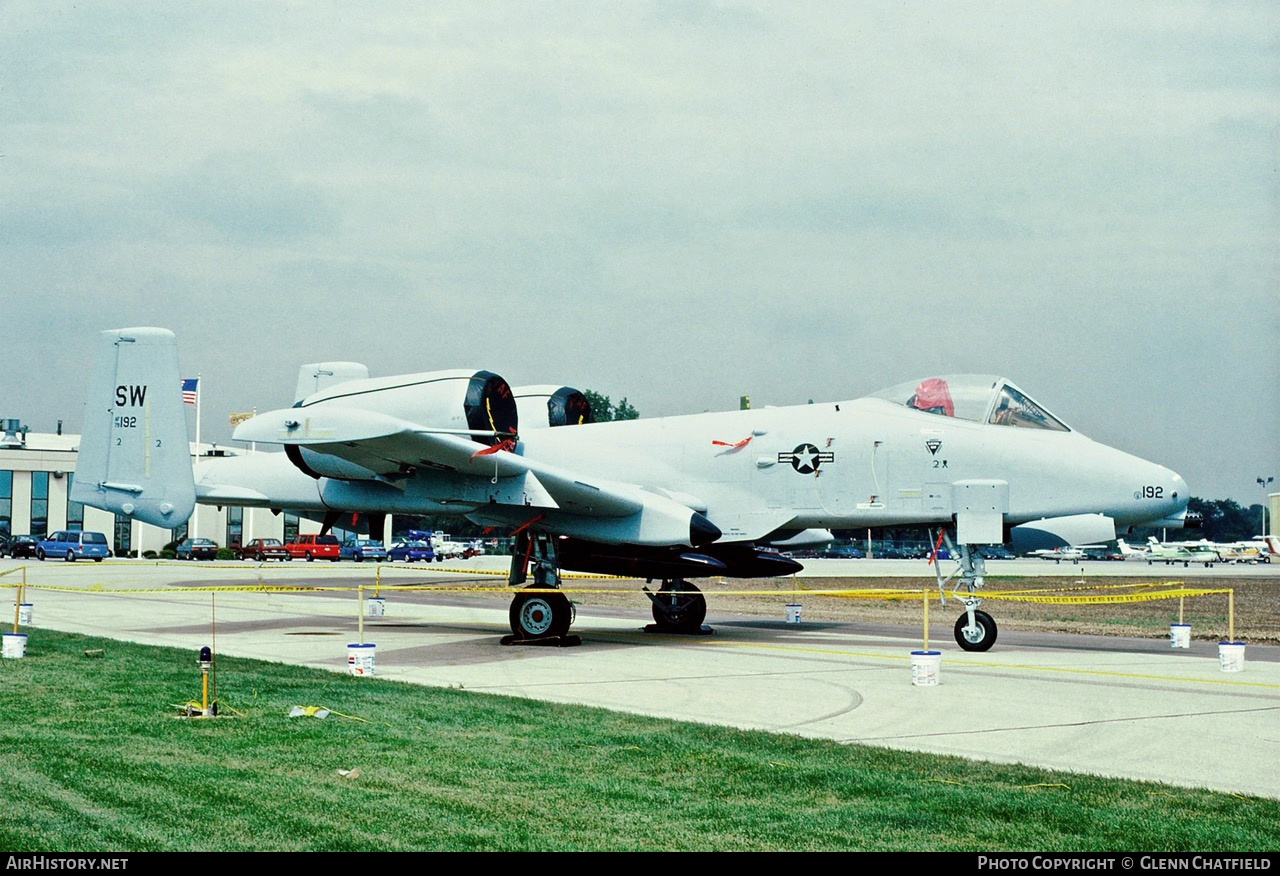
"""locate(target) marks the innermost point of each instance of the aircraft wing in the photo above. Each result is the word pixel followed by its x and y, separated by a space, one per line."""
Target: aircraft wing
pixel 382 447
pixel 381 444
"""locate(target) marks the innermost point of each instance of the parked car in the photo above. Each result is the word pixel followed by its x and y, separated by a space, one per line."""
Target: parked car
pixel 996 552
pixel 196 549
pixel 409 551
pixel 19 546
pixel 444 546
pixel 263 549
pixel 360 549
pixel 73 545
pixel 841 552
pixel 312 547
pixel 892 552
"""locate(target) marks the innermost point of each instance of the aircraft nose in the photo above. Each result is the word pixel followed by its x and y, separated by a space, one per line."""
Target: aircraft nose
pixel 1170 494
pixel 1159 494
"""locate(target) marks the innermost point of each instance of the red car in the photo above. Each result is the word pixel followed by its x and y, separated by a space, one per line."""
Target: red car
pixel 263 549
pixel 311 547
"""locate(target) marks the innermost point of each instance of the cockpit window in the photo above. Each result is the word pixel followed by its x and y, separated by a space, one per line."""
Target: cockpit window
pixel 1015 409
pixel 978 398
pixel 965 397
pixel 933 396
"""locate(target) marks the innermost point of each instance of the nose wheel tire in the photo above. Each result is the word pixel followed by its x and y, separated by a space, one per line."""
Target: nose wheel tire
pixel 540 615
pixel 981 636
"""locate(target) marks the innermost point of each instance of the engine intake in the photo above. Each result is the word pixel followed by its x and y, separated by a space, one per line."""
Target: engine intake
pixel 561 405
pixel 475 401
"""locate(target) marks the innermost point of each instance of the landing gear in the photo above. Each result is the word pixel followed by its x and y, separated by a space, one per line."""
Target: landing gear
pixel 541 618
pixel 540 615
pixel 975 631
pixel 678 607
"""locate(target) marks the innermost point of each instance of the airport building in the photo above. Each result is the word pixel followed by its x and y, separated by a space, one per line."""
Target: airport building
pixel 36 474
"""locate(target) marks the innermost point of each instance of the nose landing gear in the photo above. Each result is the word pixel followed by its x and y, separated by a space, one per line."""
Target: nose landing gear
pixel 975 630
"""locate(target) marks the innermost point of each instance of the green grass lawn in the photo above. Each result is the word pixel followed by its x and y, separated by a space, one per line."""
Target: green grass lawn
pixel 93 758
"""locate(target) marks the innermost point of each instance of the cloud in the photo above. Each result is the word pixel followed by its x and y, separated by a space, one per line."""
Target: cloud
pixel 249 200
pixel 676 202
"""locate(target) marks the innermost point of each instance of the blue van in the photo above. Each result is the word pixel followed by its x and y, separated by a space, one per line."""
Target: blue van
pixel 73 545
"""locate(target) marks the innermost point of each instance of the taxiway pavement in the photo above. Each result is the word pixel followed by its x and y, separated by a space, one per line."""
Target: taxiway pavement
pixel 1119 707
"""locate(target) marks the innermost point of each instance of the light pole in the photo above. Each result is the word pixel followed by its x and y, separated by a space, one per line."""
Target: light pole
pixel 1264 482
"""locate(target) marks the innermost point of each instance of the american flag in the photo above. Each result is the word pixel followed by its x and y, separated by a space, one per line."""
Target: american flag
pixel 189 388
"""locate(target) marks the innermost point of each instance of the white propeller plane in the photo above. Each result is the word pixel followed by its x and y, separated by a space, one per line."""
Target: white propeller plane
pixel 1181 552
pixel 1058 554
pixel 666 499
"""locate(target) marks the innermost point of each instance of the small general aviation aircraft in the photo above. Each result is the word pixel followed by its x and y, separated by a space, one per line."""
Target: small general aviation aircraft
pixel 666 499
pixel 1074 554
pixel 1181 552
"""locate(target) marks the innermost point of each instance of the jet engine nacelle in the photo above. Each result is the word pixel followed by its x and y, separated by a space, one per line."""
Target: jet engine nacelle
pixel 477 402
pixel 556 405
pixel 316 376
pixel 1056 532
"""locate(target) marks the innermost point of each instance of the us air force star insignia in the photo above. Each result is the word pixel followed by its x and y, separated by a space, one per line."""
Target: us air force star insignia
pixel 806 458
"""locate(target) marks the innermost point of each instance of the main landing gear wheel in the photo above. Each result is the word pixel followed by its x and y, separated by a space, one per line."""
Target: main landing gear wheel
pixel 539 617
pixel 678 607
pixel 981 636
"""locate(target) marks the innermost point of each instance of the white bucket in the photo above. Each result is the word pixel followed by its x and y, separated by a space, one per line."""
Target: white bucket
pixel 15 645
pixel 1231 656
pixel 1179 635
pixel 793 612
pixel 925 668
pixel 24 613
pixel 375 606
pixel 360 659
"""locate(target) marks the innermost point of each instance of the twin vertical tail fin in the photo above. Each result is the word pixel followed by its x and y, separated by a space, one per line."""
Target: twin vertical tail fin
pixel 134 457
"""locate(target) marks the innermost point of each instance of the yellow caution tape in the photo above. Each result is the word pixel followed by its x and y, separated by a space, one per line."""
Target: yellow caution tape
pixel 1099 598
pixel 1092 594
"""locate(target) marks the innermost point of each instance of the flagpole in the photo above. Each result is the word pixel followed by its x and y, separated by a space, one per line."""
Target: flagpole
pixel 199 378
pixel 247 528
pixel 195 516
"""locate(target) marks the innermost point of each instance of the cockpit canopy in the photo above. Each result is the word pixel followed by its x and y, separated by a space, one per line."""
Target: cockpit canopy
pixel 979 398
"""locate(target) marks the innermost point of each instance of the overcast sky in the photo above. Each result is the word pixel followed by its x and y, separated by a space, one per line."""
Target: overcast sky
pixel 676 202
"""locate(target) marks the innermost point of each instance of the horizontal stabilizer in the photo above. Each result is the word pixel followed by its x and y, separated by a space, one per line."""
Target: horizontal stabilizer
pixel 232 495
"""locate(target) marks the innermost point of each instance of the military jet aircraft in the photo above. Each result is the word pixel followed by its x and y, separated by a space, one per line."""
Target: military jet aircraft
pixel 668 499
